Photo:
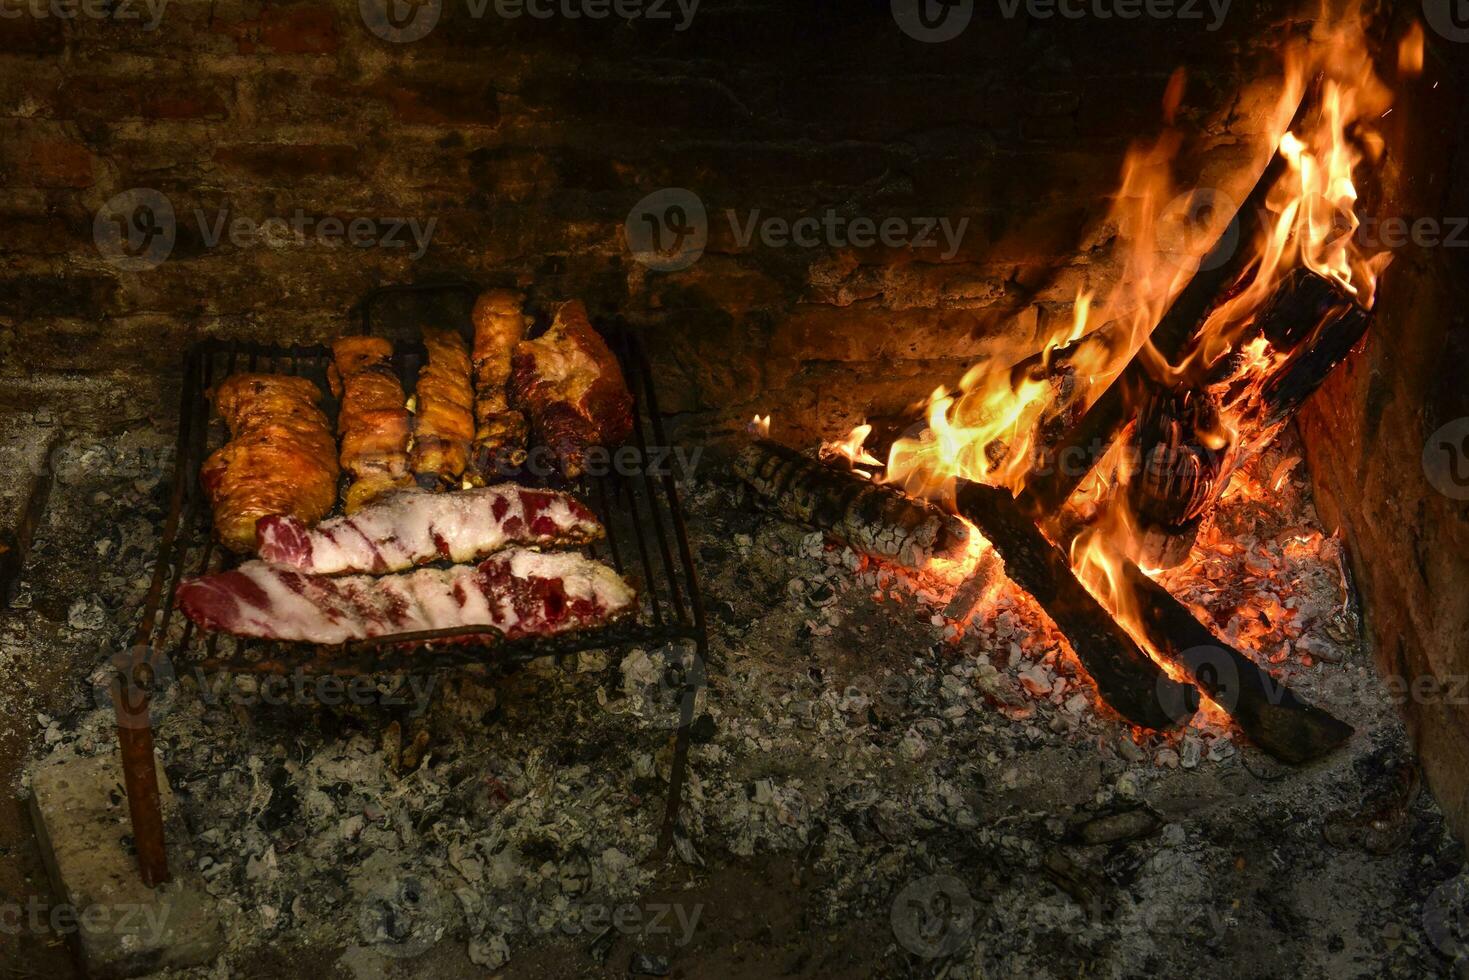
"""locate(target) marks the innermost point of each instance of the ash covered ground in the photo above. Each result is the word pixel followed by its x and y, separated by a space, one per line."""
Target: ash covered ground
pixel 874 789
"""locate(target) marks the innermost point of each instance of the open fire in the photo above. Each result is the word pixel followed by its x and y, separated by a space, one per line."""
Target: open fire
pixel 1270 295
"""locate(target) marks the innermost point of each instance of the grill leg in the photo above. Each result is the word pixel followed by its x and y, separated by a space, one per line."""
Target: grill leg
pixel 131 701
pixel 693 680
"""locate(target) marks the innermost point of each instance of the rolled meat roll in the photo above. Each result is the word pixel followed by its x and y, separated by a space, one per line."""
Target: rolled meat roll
pixel 500 431
pixel 280 459
pixel 443 417
pixel 373 420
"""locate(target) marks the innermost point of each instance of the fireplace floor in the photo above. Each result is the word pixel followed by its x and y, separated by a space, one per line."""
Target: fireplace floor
pixel 873 790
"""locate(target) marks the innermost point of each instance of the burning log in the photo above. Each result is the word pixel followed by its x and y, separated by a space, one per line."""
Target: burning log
pixel 874 519
pixel 1126 677
pixel 1178 476
pixel 1332 323
pixel 1265 709
pixel 1184 463
pixel 984 580
pixel 1069 461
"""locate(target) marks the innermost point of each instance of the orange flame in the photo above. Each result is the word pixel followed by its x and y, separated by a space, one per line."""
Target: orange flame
pixel 853 450
pixel 986 430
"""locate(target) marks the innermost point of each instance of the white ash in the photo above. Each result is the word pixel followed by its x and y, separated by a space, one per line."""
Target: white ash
pixel 851 733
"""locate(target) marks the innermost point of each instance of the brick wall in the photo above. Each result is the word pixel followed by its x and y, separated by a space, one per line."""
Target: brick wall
pixel 1375 436
pixel 527 141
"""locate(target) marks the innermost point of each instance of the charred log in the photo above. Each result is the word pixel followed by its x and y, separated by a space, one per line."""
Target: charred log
pixel 1266 710
pixel 1339 324
pixel 1127 678
pixel 1182 465
pixel 1178 476
pixel 874 519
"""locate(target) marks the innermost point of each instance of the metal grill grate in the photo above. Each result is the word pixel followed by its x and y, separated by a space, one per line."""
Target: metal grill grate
pixel 647 541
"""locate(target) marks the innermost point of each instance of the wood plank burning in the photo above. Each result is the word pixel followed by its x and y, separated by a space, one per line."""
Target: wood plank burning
pixel 874 519
pixel 1126 677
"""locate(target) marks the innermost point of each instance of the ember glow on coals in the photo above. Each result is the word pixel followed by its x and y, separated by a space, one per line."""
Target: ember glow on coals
pixel 994 427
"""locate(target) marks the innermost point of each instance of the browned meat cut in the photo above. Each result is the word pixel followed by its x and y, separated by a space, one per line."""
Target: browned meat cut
pixel 572 387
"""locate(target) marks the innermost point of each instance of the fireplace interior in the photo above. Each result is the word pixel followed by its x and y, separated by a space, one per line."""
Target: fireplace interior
pixel 1043 499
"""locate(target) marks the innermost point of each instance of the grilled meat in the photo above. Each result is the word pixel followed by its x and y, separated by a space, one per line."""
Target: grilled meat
pixel 570 384
pixel 514 594
pixel 500 431
pixel 373 421
pixel 443 419
pixel 280 459
pixel 414 528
